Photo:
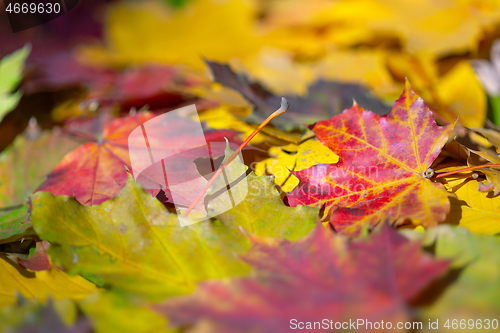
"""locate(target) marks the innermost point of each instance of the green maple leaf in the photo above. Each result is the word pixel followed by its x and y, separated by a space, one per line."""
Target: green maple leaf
pixel 133 243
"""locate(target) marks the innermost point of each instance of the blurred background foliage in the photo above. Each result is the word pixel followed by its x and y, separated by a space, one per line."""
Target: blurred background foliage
pixel 117 56
pixel 287 45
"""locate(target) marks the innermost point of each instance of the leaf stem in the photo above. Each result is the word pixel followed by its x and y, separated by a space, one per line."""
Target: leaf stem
pixel 283 108
pixel 444 174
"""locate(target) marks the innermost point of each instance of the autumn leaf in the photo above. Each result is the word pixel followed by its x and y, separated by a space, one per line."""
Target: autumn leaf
pixel 437 28
pixel 261 212
pixel 473 291
pixel 383 169
pixel 477 211
pixel 56 316
pixel 366 67
pixel 12 316
pixel 323 99
pixel 468 101
pixel 294 157
pixel 156 85
pixel 153 85
pixel 151 31
pixel 456 94
pixel 23 167
pixel 484 157
pixel 227 117
pixel 231 117
pixel 11 74
pixel 114 312
pixel 338 210
pixel 14 224
pixel 95 171
pixel 37 259
pixel 321 276
pixel 53 283
pixel 111 311
pixel 48 318
pixel 135 245
pixel 485 160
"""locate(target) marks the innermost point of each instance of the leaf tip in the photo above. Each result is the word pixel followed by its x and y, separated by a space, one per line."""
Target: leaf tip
pixel 407 84
pixel 285 104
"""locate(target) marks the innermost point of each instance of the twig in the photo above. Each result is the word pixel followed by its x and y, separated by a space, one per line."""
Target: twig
pixel 283 108
pixel 444 174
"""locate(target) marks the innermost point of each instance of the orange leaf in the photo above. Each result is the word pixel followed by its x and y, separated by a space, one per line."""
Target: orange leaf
pixel 94 172
pixel 382 171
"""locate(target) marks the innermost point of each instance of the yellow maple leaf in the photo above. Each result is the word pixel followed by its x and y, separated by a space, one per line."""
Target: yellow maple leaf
pixel 462 92
pixel 52 283
pixel 436 27
pixel 294 157
pixel 362 66
pixel 456 95
pixel 474 210
pixel 138 32
pixel 226 117
pixel 278 70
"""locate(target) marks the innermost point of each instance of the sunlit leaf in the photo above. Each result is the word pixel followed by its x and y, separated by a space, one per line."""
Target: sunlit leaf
pixel 294 158
pixel 151 31
pixel 479 212
pixel 53 283
pixel 262 212
pixel 132 243
pixel 382 170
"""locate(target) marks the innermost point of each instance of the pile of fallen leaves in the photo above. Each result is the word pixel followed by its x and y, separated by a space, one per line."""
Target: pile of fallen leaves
pixel 374 197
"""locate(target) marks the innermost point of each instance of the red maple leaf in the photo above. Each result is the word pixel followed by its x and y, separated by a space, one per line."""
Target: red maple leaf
pixel 95 171
pixel 383 169
pixel 319 277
